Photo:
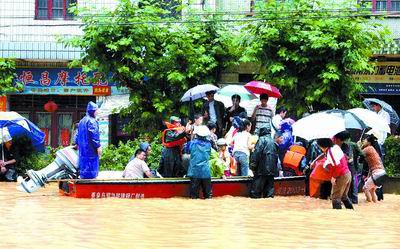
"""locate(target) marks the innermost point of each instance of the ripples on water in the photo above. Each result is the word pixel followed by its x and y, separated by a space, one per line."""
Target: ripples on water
pixel 46 220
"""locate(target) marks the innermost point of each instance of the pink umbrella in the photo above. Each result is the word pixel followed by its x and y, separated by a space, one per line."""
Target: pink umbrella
pixel 260 87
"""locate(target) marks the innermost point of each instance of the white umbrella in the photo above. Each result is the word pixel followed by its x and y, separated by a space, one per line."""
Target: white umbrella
pixel 198 92
pixel 371 119
pixel 318 125
pixel 230 90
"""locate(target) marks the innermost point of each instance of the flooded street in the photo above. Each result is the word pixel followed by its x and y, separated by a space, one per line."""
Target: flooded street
pixel 46 220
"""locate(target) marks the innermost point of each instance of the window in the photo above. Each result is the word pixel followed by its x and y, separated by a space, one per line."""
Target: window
pixel 395 6
pixel 53 9
pixel 382 5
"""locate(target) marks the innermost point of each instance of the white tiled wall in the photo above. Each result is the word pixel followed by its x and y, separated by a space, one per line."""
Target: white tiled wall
pixel 21 36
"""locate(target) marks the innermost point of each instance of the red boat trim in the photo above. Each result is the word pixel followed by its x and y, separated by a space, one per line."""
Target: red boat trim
pixel 171 187
pixel 175 180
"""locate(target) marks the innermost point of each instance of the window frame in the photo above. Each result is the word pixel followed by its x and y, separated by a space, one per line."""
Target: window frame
pixel 388 5
pixel 65 15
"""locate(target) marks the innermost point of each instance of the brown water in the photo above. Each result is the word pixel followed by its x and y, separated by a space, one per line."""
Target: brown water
pixel 46 220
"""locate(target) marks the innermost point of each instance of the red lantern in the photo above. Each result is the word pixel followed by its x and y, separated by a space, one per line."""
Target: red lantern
pixel 50 106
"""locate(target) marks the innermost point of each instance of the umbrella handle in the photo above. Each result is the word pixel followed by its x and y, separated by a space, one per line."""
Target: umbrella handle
pixel 362 134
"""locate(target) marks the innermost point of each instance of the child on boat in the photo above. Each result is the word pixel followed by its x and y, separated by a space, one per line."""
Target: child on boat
pixel 199 169
pixel 225 156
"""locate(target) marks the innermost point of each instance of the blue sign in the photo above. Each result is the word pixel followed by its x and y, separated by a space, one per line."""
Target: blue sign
pixel 47 77
pixel 64 81
pixel 382 88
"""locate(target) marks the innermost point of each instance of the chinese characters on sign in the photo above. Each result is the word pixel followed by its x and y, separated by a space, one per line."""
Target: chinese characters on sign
pixel 101 90
pixel 384 79
pixel 384 72
pixel 97 195
pixel 65 81
pixel 61 77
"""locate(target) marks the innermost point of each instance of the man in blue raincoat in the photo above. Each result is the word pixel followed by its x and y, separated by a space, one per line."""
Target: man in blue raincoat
pixel 88 141
pixel 199 169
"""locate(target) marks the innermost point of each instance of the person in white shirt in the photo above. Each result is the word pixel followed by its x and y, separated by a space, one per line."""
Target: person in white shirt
pixel 385 116
pixel 242 147
pixel 137 167
pixel 379 110
pixel 277 119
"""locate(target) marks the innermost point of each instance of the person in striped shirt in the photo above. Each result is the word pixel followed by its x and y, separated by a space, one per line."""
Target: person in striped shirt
pixel 262 114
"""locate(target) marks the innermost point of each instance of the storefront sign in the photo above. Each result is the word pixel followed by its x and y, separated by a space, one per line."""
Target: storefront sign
pixel 384 79
pixel 65 81
pixel 384 72
pixel 101 90
pixel 3 103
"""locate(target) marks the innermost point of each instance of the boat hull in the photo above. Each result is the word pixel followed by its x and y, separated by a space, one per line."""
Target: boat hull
pixel 168 188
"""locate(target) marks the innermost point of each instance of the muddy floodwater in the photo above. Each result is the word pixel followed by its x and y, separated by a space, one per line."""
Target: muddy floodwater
pixel 46 220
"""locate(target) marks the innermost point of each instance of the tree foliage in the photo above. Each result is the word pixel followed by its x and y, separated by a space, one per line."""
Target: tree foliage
pixel 7 75
pixel 145 48
pixel 309 49
pixel 392 156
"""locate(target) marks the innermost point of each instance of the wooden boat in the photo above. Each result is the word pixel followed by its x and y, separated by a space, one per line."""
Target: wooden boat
pixel 170 187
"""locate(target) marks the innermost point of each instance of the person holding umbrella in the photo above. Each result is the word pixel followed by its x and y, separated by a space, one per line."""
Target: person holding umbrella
pixel 233 111
pixel 9 157
pixel 262 114
pixel 214 110
pixel 379 110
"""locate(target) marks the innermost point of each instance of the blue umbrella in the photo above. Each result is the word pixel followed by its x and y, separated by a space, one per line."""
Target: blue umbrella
pixel 13 125
pixel 394 118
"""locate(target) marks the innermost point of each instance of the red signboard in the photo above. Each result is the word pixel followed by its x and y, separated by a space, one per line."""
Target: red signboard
pixel 101 90
pixel 3 103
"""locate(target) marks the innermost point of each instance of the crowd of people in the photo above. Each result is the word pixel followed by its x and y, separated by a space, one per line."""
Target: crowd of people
pixel 221 142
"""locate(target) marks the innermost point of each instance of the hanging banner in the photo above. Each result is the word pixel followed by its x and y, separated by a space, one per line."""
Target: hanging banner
pixel 3 103
pixel 66 81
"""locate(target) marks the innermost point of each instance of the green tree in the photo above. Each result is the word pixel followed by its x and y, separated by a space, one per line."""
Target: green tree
pixel 153 53
pixel 309 50
pixel 7 75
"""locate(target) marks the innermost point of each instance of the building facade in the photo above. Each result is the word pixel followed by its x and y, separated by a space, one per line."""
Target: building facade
pixel 29 30
pixel 383 83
